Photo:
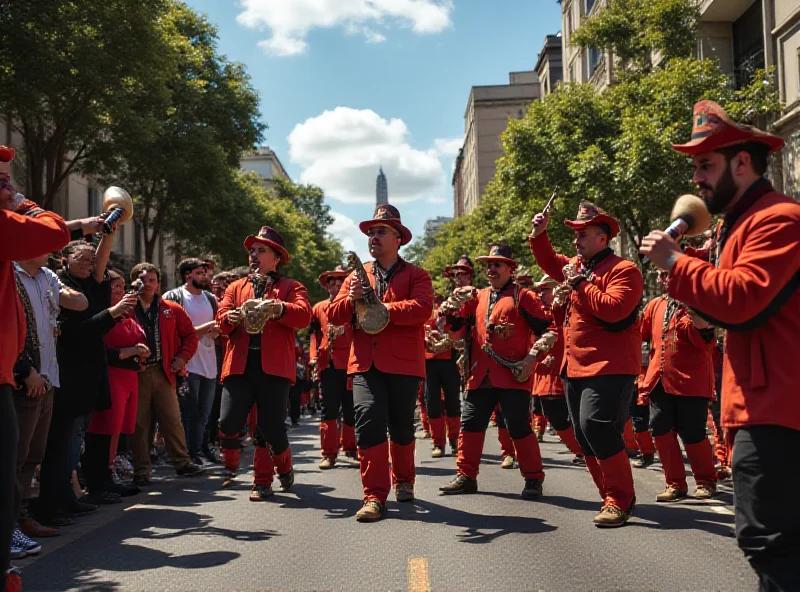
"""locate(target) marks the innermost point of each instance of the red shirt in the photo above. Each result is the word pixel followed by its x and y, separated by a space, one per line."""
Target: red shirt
pixel 400 347
pixel 547 378
pixel 610 296
pixel 760 257
pixel 21 238
pixel 514 306
pixel 681 360
pixel 319 339
pixel 277 339
pixel 178 337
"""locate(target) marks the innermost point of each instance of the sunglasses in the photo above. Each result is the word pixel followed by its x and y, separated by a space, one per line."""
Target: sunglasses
pixel 462 274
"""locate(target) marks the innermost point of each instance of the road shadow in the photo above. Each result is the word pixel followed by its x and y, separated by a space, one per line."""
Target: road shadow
pixel 78 565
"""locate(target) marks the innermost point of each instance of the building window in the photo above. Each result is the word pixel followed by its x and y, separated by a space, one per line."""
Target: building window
pixel 588 5
pixel 595 59
pixel 92 201
pixel 748 45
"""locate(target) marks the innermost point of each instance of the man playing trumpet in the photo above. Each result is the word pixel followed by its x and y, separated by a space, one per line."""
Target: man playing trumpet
pixel 506 316
pixel 330 351
pixel 387 364
pixel 259 364
pixel 602 357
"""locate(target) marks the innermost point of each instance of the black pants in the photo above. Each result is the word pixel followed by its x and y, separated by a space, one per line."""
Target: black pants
pixel 213 417
pixel 514 404
pixel 295 396
pixel 270 395
pixel 55 476
pixel 9 492
pixel 640 414
pixel 767 512
pixel 336 397
pixel 384 401
pixel 536 406
pixel 442 375
pixel 94 461
pixel 686 415
pixel 598 408
pixel 555 410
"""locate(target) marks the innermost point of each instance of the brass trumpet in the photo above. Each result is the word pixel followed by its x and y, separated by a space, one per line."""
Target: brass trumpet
pixel 118 204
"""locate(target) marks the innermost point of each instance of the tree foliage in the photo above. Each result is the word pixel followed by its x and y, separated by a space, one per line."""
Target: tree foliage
pixel 612 147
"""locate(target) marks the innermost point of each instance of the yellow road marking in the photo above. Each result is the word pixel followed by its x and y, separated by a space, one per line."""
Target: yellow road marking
pixel 418 580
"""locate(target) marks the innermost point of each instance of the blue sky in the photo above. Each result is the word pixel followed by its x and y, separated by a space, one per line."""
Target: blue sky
pixel 349 85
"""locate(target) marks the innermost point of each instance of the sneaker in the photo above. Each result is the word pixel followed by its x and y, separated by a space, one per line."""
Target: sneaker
pixel 437 452
pixel 644 461
pixel 199 461
pixel 17 552
pixel 404 492
pixel 123 489
pixel 102 498
pixel 190 469
pixel 210 455
pixel 79 507
pixel 287 480
pixel 723 473
pixel 552 431
pixel 461 484
pixel 371 511
pixel 579 461
pixel 260 493
pixel 508 462
pixel 705 491
pixel 27 544
pixel 327 463
pixel 671 494
pixel 611 516
pixel 228 478
pixel 533 489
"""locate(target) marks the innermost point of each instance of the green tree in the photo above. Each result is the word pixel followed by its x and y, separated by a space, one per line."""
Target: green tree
pixel 308 199
pixel 71 71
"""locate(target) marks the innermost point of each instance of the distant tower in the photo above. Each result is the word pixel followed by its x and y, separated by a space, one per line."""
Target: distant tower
pixel 381 190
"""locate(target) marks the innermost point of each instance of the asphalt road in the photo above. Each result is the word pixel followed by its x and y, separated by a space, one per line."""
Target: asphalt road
pixel 187 534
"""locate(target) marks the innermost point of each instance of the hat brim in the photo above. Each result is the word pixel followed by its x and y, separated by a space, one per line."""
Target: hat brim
pixel 727 138
pixel 510 262
pixel 251 240
pixel 612 224
pixel 405 233
pixel 450 270
pixel 329 275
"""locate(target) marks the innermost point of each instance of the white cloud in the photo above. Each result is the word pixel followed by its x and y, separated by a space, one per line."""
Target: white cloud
pixel 351 237
pixel 448 146
pixel 290 21
pixel 341 151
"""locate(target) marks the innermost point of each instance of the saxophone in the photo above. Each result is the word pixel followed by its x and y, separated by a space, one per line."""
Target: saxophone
pixel 257 311
pixel 542 345
pixel 333 332
pixel 436 340
pixel 371 313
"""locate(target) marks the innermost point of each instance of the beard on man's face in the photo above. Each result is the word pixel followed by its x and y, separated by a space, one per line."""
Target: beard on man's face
pixel 722 194
pixel 200 284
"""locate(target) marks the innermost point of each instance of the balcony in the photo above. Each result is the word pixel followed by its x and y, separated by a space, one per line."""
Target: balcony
pixel 723 11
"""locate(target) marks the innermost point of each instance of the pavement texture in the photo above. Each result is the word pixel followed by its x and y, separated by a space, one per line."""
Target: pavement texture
pixel 188 534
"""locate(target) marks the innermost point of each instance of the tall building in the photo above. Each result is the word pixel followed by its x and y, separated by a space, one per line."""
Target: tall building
pixel 486 118
pixel 433 224
pixel 549 65
pixel 381 189
pixel 265 163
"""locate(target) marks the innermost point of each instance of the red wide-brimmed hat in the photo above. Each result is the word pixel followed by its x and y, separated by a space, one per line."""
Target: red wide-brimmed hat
pixel 6 156
pixel 590 215
pixel 713 129
pixel 387 215
pixel 464 263
pixel 269 236
pixel 500 253
pixel 339 272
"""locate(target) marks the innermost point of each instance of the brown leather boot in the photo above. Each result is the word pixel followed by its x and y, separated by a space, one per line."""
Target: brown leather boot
pixel 610 516
pixel 404 492
pixel 33 529
pixel 260 493
pixel 704 491
pixel 508 462
pixel 671 494
pixel 327 463
pixel 371 511
pixel 437 452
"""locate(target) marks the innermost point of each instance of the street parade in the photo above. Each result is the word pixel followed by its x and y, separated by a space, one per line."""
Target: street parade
pixel 577 400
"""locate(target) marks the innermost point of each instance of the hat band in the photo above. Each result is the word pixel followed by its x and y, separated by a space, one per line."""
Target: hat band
pixel 699 135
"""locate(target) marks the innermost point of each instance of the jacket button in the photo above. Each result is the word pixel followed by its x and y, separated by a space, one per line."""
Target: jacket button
pixel 374 344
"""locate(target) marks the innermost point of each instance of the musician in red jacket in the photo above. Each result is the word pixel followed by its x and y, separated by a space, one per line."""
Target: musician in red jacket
pixel 386 367
pixel 259 367
pixel 21 237
pixel 679 383
pixel 602 348
pixel 506 318
pixel 329 353
pixel 752 289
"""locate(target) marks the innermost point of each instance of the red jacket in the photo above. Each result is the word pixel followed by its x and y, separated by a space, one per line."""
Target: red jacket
pixel 400 347
pixel 277 339
pixel 21 238
pixel 611 296
pixel 319 339
pixel 682 361
pixel 515 306
pixel 761 257
pixel 547 378
pixel 178 337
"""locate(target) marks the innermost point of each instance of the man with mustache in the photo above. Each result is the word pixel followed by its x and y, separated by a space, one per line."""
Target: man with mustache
pixel 386 367
pixel 506 318
pixel 602 355
pixel 259 368
pixel 752 289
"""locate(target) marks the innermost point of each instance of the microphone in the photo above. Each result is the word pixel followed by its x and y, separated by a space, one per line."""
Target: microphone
pixel 689 217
